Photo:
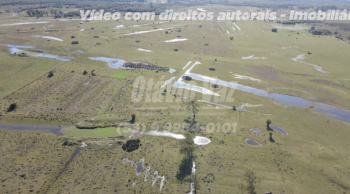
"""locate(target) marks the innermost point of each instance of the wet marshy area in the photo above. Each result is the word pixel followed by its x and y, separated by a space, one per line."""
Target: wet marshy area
pixel 279 129
pixel 140 167
pixel 252 142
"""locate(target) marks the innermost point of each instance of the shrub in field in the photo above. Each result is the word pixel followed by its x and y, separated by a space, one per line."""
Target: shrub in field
pixel 12 107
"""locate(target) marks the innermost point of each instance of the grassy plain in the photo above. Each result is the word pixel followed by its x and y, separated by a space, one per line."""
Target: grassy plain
pixel 315 151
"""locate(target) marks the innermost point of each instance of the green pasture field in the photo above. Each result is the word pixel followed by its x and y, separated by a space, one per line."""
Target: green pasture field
pixel 314 154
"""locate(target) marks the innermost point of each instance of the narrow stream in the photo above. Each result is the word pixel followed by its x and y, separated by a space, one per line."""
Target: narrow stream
pixel 55 129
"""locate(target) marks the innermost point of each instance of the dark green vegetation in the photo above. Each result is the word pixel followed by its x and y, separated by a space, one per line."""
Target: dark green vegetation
pixel 131 145
pixel 187 149
pixel 50 75
pixel 268 122
pixel 12 107
pixel 193 107
pixel 133 118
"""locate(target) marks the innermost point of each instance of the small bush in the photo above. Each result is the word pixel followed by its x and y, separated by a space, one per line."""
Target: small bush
pixel 12 107
pixel 133 118
pixel 50 74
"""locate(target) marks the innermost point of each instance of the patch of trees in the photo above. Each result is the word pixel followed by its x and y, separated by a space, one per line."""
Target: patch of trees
pixel 37 13
pixel 71 14
pixel 187 78
pixel 131 145
pixel 69 143
pixel 328 7
pixel 23 55
pixel 193 107
pixel 316 32
pixel 185 168
pixel 136 65
pixel 187 148
pixel 53 12
pixel 321 32
pixel 287 22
